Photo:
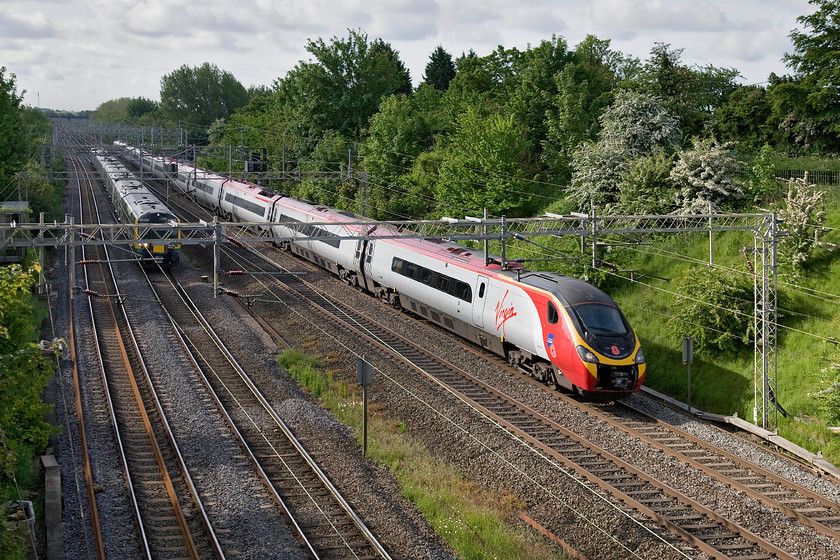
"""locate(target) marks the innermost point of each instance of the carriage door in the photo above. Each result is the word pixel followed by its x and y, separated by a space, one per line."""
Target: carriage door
pixel 481 286
pixel 368 258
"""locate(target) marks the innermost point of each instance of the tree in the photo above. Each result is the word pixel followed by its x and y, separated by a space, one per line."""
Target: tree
pixel 646 187
pixel 380 48
pixel 12 140
pixel 440 69
pixel 815 61
pixel 23 370
pixel 139 106
pixel 703 176
pixel 583 90
pixel 635 125
pixel 405 127
pixel 340 90
pixel 744 117
pixel 199 95
pixel 716 310
pixel 688 93
pixel 802 214
pixel 484 167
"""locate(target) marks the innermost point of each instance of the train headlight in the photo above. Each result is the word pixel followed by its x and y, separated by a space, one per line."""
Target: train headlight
pixel 640 358
pixel 587 355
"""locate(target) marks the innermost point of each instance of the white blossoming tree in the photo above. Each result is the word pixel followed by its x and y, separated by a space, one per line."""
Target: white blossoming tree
pixel 803 215
pixel 703 175
pixel 635 125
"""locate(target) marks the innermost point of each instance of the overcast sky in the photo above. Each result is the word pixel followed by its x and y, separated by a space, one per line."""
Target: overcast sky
pixel 76 54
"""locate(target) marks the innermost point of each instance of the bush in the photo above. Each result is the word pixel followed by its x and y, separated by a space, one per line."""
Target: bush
pixel 718 313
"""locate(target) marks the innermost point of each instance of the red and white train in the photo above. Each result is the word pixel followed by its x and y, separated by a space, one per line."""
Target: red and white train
pixel 560 329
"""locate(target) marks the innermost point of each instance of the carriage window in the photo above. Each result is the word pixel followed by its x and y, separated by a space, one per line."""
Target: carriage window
pixel 552 313
pixel 446 284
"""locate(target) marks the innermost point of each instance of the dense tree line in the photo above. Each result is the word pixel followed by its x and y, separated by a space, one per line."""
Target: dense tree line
pixel 516 130
pixel 23 370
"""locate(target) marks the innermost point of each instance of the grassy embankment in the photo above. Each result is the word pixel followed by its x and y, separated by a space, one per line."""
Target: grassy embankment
pixel 475 524
pixel 723 382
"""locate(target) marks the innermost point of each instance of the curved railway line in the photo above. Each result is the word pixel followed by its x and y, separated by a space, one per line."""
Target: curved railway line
pixel 167 506
pixel 159 485
pixel 675 522
pixel 682 516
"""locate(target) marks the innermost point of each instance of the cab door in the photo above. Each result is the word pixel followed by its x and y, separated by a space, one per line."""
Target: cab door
pixel 481 286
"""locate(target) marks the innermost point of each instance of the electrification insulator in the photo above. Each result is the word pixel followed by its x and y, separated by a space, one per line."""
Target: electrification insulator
pixel 87 261
pixel 86 235
pixel 236 272
pixel 234 241
pixel 231 293
pixel 91 293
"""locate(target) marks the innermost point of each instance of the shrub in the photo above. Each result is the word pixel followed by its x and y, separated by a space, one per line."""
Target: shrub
pixel 717 310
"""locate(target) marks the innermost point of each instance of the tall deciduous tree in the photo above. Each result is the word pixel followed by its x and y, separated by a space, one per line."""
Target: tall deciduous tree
pixel 815 61
pixel 12 143
pixel 635 125
pixel 689 93
pixel 486 166
pixel 440 69
pixel 340 90
pixel 200 95
pixel 583 90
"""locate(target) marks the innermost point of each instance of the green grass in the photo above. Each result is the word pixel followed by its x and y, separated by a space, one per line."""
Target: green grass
pixel 806 163
pixel 474 523
pixel 723 382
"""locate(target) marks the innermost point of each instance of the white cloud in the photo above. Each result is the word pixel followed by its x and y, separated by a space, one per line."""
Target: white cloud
pixel 79 53
pixel 31 25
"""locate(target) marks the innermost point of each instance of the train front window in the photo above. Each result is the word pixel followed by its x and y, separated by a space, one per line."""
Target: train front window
pixel 601 319
pixel 157 218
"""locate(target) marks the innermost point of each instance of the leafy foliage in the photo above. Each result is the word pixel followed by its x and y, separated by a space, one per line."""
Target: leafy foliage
pixel 23 370
pixel 829 392
pixel 341 89
pixel 690 94
pixel 200 95
pixel 584 89
pixel 646 186
pixel 703 176
pixel 483 168
pixel 635 125
pixel 803 214
pixel 440 70
pixel 716 309
pixel 12 139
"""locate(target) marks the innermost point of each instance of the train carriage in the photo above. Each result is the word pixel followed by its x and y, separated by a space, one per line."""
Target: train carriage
pixel 561 330
pixel 134 203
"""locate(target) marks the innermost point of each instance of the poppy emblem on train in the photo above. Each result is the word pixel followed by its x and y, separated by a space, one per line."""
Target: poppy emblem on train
pixel 615 350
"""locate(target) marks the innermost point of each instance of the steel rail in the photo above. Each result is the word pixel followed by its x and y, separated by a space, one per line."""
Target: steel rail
pixel 694 533
pixel 192 310
pixel 130 376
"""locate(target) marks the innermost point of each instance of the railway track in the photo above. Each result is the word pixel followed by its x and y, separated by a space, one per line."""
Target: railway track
pixel 806 507
pixel 325 523
pixel 168 513
pixel 682 516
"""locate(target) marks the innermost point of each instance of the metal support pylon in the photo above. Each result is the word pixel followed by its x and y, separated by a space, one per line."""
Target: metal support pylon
pixel 765 376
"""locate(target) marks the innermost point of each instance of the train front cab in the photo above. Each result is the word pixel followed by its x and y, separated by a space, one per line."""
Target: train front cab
pixel 166 252
pixel 606 356
pixel 588 340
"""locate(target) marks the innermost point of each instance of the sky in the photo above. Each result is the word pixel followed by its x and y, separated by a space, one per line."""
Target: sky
pixel 76 54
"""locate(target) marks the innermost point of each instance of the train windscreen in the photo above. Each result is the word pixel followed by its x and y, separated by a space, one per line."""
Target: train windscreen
pixel 601 319
pixel 157 218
